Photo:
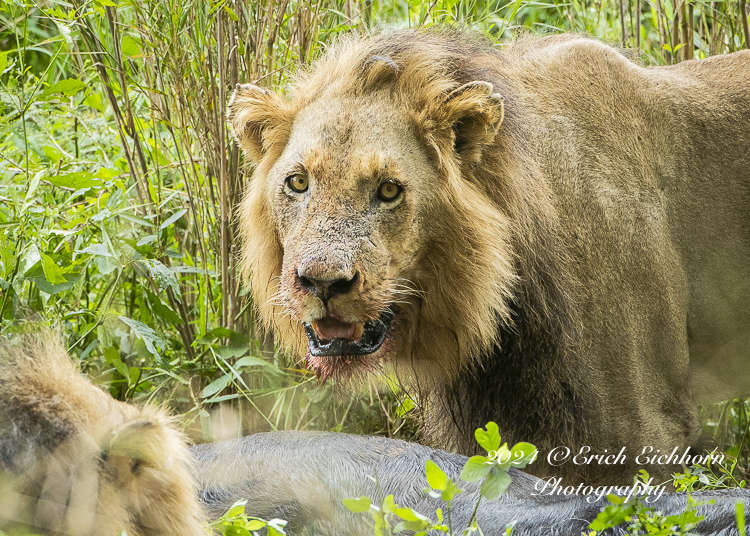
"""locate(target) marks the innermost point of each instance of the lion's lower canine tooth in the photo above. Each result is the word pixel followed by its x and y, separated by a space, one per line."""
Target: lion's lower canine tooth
pixel 359 329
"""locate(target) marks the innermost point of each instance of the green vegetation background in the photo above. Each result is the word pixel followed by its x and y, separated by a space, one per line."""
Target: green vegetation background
pixel 118 182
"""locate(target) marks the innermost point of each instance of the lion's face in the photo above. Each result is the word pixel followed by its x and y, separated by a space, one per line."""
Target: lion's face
pixel 350 194
pixel 356 216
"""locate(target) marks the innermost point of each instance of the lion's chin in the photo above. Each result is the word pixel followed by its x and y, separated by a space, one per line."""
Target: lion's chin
pixel 344 367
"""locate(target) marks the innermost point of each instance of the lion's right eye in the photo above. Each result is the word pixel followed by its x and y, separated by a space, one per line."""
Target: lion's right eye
pixel 298 183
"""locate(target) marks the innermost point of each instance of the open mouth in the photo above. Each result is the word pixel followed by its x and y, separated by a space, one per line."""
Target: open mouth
pixel 331 337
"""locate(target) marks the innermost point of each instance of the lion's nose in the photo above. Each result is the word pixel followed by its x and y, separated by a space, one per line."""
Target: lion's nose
pixel 325 289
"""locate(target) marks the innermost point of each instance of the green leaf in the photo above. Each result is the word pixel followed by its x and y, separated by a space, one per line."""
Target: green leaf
pixel 231 13
pixel 173 218
pixel 436 478
pixel 52 272
pixel 78 179
pixel 100 250
pixel 94 101
pixel 357 505
pixel 122 368
pixel 106 265
pixel 3 61
pixel 216 386
pixel 67 87
pixel 111 354
pixel 251 361
pixel 404 407
pixel 407 514
pixel 489 440
pixel 164 277
pixel 450 491
pixel 145 333
pixel 33 185
pixel 52 154
pixel 228 352
pixel 495 485
pixel 522 454
pixel 162 310
pixel 476 469
pixel 40 280
pixel 255 524
pixel 237 509
pixel 130 47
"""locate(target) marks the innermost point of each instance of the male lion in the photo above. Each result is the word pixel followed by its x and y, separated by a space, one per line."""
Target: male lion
pixel 548 236
pixel 74 461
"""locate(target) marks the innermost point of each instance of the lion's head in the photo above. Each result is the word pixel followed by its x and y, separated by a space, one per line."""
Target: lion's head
pixel 372 234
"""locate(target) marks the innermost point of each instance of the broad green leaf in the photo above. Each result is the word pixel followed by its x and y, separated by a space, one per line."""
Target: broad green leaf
pixel 228 352
pixel 100 250
pixel 407 514
pixel 414 526
pixel 495 485
pixel 105 174
pixel 121 367
pixel 436 478
pixel 357 505
pixel 145 333
pixel 215 386
pixel 146 240
pixel 488 439
pixel 173 218
pixel 406 405
pixel 36 275
pixel 130 47
pixel 3 61
pixel 67 87
pixel 52 272
pixel 476 468
pixel 255 524
pixel 78 179
pixel 52 153
pixel 522 454
pixel 94 101
pixel 237 509
pixel 236 530
pixel 163 276
pixel 106 265
pixel 162 310
pixel 252 361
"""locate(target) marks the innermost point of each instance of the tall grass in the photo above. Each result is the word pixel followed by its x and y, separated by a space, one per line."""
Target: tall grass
pixel 119 180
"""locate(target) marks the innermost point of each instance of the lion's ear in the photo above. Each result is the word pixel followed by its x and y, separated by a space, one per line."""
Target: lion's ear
pixel 257 118
pixel 475 113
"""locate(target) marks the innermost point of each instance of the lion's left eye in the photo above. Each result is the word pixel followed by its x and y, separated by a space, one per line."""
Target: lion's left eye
pixel 389 191
pixel 298 183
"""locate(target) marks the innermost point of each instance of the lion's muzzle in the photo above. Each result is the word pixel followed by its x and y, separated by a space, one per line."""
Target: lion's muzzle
pixel 325 289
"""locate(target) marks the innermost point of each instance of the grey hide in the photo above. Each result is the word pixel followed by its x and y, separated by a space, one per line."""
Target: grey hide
pixel 303 476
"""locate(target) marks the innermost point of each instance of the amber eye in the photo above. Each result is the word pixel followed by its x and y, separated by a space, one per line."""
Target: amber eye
pixel 388 191
pixel 298 183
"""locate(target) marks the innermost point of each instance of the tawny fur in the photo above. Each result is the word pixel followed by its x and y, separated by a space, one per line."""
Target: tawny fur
pixel 75 461
pixel 569 257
